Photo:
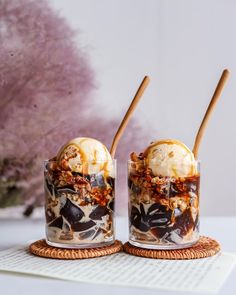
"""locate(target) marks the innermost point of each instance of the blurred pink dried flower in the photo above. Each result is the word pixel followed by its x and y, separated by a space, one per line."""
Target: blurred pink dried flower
pixel 45 91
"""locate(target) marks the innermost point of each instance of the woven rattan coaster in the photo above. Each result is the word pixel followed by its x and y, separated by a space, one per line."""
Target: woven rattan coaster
pixel 205 247
pixel 41 248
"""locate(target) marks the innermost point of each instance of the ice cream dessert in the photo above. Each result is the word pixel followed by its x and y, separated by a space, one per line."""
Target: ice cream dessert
pixel 80 188
pixel 164 196
pixel 170 158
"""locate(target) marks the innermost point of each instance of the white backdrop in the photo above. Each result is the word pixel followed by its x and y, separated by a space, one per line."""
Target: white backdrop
pixel 183 45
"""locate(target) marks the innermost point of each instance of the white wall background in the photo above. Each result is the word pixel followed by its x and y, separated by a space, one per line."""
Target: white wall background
pixel 183 45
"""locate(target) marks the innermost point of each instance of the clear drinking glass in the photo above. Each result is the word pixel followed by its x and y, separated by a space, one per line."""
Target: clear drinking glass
pixel 163 211
pixel 79 207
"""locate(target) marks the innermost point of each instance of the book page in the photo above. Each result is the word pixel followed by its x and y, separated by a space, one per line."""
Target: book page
pixel 200 275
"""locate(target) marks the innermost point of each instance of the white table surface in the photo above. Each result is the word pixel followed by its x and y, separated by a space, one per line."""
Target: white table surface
pixel 20 232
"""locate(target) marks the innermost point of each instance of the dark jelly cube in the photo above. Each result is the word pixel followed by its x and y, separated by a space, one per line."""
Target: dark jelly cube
pixel 98 212
pixel 111 181
pixel 71 212
pixel 111 205
pixel 184 222
pixel 137 221
pixel 82 226
pixel 58 222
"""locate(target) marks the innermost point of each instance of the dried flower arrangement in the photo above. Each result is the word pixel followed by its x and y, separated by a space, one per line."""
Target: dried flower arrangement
pixel 46 90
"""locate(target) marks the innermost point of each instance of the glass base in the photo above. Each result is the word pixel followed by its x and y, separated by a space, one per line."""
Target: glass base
pixel 163 247
pixel 79 246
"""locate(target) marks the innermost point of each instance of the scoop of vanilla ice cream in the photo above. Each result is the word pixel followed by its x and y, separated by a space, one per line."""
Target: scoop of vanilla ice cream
pixel 170 158
pixel 85 155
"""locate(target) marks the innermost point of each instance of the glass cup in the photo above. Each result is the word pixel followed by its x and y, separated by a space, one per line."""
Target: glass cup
pixel 79 207
pixel 163 211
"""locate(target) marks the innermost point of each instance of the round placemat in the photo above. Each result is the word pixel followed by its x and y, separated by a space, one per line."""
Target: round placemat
pixel 41 248
pixel 205 247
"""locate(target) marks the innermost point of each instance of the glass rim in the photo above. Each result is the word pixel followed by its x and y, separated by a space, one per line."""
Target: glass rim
pixel 143 160
pixel 89 161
